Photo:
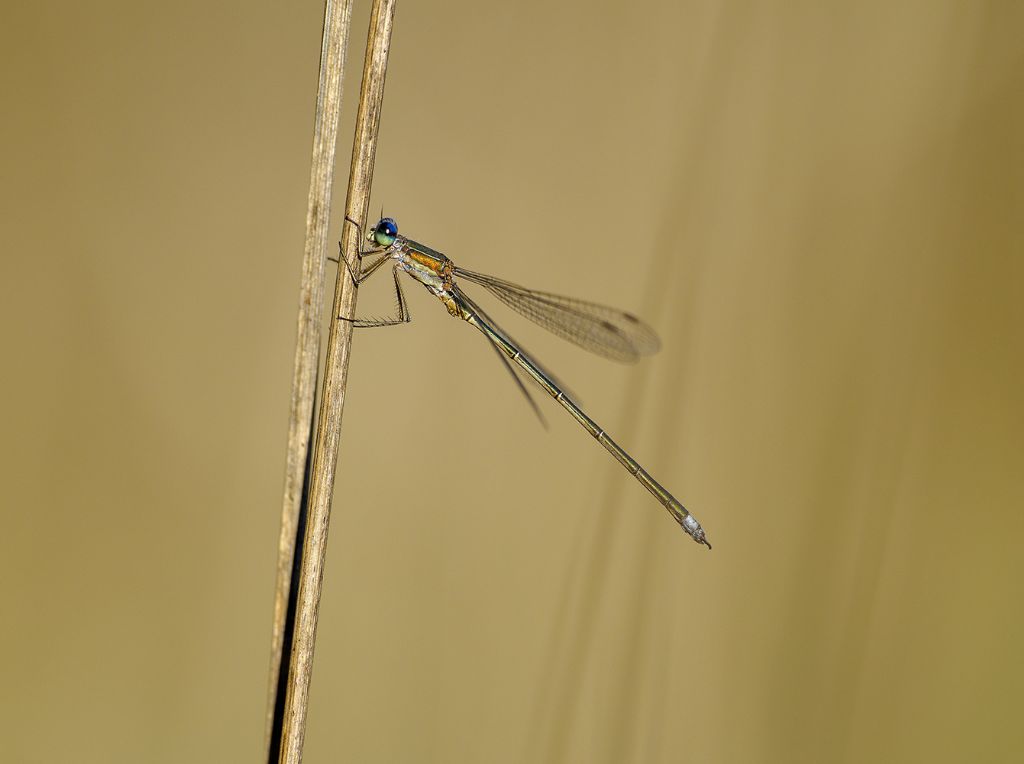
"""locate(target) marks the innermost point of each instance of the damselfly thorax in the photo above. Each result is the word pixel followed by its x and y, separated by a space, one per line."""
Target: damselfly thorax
pixel 432 269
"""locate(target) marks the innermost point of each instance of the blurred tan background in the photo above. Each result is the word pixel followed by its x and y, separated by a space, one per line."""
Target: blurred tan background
pixel 819 206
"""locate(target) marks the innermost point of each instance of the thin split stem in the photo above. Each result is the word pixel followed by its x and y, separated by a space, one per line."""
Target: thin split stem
pixel 339 343
pixel 337 21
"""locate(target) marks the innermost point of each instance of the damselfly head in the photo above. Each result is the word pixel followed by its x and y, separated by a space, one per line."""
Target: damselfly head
pixel 385 232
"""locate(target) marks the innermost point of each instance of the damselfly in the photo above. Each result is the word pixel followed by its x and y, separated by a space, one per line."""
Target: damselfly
pixel 600 329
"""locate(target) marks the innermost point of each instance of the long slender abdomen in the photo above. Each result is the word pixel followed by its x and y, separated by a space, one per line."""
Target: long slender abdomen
pixel 675 508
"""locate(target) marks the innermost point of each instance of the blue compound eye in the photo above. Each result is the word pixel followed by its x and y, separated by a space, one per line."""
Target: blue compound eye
pixel 385 232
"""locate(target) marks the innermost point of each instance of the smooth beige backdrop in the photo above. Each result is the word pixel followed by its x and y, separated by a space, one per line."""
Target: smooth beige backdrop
pixel 818 205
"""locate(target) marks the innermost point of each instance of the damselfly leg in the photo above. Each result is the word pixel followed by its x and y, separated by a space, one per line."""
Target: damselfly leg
pixel 404 317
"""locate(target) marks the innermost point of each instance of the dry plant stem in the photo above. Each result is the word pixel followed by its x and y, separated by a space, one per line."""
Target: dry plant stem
pixel 337 16
pixel 328 433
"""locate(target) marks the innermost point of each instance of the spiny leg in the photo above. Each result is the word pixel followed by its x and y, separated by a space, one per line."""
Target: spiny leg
pixel 404 316
pixel 370 269
pixel 359 228
pixel 363 275
pixel 360 253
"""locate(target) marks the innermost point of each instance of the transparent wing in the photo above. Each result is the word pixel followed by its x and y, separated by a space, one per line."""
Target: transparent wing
pixel 606 331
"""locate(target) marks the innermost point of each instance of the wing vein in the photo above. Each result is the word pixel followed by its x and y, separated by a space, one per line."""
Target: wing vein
pixel 600 329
